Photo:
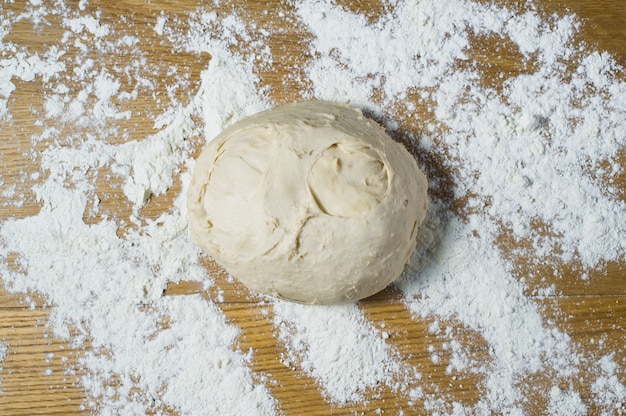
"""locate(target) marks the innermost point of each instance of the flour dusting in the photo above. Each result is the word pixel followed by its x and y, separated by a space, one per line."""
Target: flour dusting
pixel 339 363
pixel 3 355
pixel 521 166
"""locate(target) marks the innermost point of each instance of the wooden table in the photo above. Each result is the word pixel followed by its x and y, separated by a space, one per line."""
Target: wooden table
pixel 583 309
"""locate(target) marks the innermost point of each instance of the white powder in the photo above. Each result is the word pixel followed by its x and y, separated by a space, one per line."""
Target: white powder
pixel 521 155
pixel 347 366
pixel 3 355
pixel 516 134
pixel 486 297
pixel 566 403
pixel 608 389
pixel 178 352
pixel 536 149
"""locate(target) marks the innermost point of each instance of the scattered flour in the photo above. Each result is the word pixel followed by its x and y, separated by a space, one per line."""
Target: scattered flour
pixel 3 355
pixel 338 362
pixel 565 403
pixel 493 305
pixel 178 352
pixel 537 147
pixel 608 389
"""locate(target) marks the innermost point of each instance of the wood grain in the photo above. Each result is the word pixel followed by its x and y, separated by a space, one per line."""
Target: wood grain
pixel 39 376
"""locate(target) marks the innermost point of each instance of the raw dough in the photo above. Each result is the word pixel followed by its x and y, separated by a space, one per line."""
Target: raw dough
pixel 310 202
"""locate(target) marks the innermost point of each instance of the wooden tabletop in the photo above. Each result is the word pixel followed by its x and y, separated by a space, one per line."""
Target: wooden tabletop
pixel 582 309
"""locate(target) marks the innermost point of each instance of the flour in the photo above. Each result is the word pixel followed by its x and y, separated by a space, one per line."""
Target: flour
pixel 3 355
pixel 565 403
pixel 516 133
pixel 149 164
pixel 89 24
pixel 524 177
pixel 111 288
pixel 346 366
pixel 26 68
pixel 530 156
pixel 608 389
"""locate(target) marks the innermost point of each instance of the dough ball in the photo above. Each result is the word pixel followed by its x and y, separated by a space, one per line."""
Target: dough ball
pixel 310 202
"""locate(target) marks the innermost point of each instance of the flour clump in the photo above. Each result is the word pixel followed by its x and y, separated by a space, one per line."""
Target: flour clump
pixel 311 202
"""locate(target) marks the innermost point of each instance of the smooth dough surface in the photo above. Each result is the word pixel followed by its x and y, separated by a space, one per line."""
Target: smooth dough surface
pixel 311 202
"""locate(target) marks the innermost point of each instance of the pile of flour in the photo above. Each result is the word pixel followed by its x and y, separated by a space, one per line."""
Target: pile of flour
pixel 536 150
